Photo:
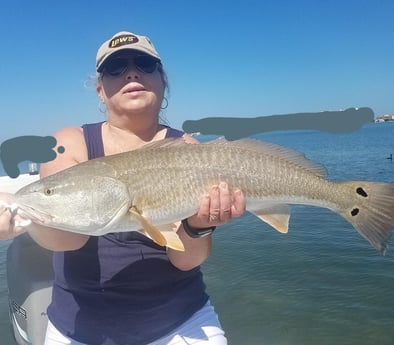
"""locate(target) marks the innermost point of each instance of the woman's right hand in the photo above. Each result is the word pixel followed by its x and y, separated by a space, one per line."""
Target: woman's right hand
pixel 10 221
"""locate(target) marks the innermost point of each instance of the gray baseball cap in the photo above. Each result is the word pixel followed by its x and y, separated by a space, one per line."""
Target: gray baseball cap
pixel 124 41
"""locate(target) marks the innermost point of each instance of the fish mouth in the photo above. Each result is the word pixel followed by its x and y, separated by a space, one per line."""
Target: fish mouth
pixel 36 216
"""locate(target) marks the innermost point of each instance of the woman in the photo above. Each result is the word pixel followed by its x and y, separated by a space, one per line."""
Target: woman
pixel 124 288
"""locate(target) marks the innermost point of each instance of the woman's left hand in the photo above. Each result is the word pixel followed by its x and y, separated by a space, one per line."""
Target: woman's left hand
pixel 218 207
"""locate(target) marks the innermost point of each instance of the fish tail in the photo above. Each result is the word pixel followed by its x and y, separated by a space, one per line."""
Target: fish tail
pixel 371 211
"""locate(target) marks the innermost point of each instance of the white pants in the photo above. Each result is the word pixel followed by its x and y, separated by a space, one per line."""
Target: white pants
pixel 203 328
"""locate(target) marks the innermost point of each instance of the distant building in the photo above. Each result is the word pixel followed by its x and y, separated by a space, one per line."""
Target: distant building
pixel 385 118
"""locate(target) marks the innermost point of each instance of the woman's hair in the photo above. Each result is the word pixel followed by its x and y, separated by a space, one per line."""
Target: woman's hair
pixel 162 119
pixel 164 77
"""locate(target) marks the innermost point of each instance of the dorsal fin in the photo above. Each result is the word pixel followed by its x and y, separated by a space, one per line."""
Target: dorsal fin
pixel 278 151
pixel 255 145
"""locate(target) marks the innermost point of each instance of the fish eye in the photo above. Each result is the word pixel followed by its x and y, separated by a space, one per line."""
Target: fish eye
pixel 48 191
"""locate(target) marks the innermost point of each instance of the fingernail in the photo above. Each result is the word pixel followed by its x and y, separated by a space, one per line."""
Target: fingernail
pixel 237 192
pixel 223 185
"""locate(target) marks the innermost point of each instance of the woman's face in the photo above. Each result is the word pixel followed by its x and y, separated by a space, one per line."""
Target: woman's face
pixel 131 83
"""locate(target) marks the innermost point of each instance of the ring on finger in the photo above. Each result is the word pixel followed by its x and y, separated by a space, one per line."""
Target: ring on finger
pixel 213 217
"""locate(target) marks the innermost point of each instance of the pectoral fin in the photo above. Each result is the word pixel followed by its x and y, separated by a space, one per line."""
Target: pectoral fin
pixel 163 235
pixel 277 216
pixel 150 230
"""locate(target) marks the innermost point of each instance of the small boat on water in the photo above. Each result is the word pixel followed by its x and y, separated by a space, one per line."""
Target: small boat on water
pixel 30 278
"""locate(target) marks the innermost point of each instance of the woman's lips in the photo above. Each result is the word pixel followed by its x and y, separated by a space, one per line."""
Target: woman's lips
pixel 133 88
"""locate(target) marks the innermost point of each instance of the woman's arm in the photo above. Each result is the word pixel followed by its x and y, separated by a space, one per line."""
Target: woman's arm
pixel 53 239
pixel 216 208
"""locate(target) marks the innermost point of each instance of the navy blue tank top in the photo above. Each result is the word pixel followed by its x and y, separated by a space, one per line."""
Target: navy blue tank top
pixel 120 288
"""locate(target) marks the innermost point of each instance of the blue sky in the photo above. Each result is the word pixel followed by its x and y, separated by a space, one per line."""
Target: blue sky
pixel 223 58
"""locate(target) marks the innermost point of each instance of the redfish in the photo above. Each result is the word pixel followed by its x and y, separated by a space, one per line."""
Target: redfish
pixel 152 188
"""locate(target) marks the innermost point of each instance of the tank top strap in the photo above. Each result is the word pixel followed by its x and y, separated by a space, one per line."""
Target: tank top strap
pixel 173 133
pixel 93 139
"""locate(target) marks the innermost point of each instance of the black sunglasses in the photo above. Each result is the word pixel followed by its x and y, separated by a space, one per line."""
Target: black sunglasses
pixel 118 66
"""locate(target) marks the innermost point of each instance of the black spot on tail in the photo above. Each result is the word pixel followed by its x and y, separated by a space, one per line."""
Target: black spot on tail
pixel 355 212
pixel 361 192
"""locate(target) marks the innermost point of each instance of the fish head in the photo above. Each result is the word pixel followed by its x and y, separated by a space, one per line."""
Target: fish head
pixel 81 203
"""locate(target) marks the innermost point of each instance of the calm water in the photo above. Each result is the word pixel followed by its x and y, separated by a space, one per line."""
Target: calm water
pixel 319 284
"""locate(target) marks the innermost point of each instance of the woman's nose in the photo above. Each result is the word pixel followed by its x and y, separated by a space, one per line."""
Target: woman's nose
pixel 132 72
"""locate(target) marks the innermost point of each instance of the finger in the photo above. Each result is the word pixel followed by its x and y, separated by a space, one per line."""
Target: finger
pixel 214 207
pixel 22 223
pixel 9 226
pixel 203 211
pixel 18 230
pixel 5 223
pixel 238 206
pixel 2 210
pixel 6 198
pixel 225 202
pixel 3 203
pixel 12 233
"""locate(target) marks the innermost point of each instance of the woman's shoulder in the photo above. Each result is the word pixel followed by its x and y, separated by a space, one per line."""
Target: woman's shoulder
pixel 69 133
pixel 70 148
pixel 71 138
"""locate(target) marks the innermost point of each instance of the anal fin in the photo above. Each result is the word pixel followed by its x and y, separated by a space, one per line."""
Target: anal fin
pixel 172 238
pixel 276 215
